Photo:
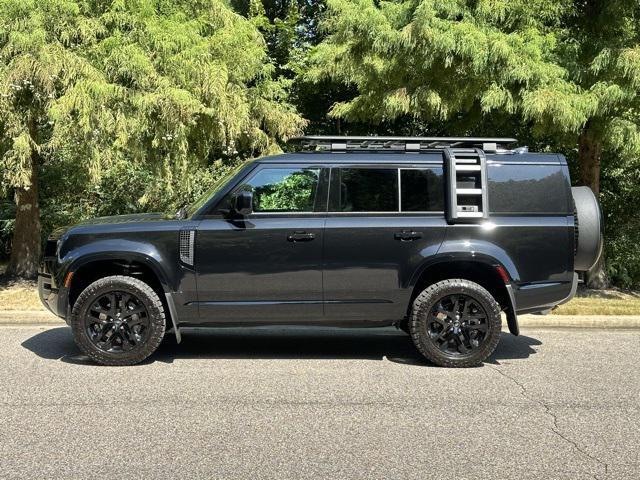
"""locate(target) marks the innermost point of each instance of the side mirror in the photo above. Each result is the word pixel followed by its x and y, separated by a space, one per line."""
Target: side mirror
pixel 242 203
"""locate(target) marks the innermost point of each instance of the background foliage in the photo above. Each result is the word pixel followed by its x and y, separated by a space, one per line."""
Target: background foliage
pixel 140 105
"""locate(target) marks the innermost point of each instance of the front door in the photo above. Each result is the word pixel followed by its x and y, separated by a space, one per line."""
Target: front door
pixel 267 266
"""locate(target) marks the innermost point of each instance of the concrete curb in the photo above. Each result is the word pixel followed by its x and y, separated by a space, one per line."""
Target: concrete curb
pixel 45 318
pixel 579 321
pixel 29 317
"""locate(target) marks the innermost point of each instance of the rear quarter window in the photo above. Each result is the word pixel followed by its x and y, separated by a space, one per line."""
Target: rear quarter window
pixel 527 189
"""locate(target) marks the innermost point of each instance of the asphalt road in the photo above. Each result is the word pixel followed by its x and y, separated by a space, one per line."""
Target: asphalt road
pixel 323 404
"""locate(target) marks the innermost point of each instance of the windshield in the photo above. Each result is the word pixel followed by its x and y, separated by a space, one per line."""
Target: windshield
pixel 217 186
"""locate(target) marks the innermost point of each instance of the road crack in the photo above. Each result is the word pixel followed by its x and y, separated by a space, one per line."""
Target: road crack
pixel 555 428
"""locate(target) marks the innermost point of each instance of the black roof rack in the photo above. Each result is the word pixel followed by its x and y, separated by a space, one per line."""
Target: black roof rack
pixel 407 144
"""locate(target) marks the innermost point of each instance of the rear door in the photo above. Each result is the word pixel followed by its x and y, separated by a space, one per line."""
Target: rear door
pixel 383 221
pixel 266 266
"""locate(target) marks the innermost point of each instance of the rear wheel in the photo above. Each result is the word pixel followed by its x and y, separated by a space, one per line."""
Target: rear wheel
pixel 118 320
pixel 455 323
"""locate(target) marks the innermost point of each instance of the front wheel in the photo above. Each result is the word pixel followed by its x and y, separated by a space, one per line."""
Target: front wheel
pixel 118 320
pixel 455 323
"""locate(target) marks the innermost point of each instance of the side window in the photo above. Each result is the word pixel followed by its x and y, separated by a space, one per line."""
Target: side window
pixel 422 190
pixel 364 190
pixel 284 189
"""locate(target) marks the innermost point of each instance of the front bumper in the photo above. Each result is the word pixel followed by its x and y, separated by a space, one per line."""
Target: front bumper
pixel 51 296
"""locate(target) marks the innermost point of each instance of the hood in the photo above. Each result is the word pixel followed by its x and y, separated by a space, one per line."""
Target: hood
pixel 131 218
pixel 112 220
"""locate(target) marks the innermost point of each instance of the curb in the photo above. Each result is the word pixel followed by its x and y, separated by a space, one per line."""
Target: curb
pixel 44 318
pixel 31 318
pixel 579 321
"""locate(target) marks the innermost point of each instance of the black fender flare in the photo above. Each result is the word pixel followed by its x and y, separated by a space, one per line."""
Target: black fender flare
pixel 452 253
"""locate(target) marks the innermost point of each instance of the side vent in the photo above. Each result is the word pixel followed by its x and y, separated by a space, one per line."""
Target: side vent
pixel 467 192
pixel 187 240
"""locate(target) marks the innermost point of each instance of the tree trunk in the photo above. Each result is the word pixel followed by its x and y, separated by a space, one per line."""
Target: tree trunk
pixel 590 154
pixel 26 244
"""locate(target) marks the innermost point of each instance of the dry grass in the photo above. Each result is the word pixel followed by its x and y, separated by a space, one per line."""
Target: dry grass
pixel 23 295
pixel 20 295
pixel 601 302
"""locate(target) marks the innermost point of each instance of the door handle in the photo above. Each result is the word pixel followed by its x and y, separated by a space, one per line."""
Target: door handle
pixel 301 237
pixel 407 236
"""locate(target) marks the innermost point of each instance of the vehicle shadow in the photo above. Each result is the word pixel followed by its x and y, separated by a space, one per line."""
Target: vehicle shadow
pixel 277 343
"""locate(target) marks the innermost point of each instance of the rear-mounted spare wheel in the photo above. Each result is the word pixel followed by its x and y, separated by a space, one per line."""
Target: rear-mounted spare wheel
pixel 588 228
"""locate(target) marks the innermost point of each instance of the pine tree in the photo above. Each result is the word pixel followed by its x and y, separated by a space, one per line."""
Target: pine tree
pixel 570 69
pixel 166 84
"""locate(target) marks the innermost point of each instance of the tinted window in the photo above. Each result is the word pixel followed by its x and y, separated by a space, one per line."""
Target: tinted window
pixel 364 190
pixel 528 188
pixel 284 189
pixel 422 190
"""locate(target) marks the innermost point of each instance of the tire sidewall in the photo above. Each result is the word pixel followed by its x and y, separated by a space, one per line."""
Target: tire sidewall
pixel 426 300
pixel 142 292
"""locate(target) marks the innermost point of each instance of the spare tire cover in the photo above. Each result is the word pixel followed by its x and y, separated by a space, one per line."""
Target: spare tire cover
pixel 588 228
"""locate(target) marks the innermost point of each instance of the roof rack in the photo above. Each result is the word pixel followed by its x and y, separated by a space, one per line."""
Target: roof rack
pixel 403 144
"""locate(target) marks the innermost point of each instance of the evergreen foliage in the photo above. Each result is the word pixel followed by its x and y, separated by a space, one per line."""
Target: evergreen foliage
pixel 150 89
pixel 141 105
pixel 568 72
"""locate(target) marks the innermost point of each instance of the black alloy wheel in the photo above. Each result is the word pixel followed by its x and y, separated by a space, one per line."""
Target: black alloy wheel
pixel 117 322
pixel 457 324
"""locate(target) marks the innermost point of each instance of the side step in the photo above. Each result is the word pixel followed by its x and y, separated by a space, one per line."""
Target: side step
pixel 467 192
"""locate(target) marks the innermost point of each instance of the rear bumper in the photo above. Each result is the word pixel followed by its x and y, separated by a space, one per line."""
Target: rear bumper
pixel 537 297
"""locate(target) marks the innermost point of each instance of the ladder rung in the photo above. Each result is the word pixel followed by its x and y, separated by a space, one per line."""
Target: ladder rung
pixel 466 161
pixel 464 151
pixel 468 168
pixel 469 191
pixel 470 214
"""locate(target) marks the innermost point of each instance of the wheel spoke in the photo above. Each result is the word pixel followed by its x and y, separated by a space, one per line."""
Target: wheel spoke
pixel 443 334
pixel 481 327
pixel 456 305
pixel 462 348
pixel 444 346
pixel 128 339
pixel 137 310
pixel 104 329
pixel 97 308
pixel 136 320
pixel 109 342
pixel 112 305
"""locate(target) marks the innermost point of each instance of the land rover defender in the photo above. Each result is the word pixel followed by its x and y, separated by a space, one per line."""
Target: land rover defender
pixel 436 236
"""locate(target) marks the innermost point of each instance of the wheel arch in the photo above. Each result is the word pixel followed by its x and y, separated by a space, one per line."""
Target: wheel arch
pixel 483 270
pixel 88 269
pixel 85 270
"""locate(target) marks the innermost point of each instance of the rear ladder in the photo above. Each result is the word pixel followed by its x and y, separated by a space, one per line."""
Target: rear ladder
pixel 467 192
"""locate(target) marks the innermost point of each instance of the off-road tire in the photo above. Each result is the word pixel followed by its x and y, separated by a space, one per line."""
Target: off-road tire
pixel 428 298
pixel 145 294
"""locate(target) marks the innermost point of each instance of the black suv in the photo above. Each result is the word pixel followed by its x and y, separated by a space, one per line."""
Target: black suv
pixel 436 236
